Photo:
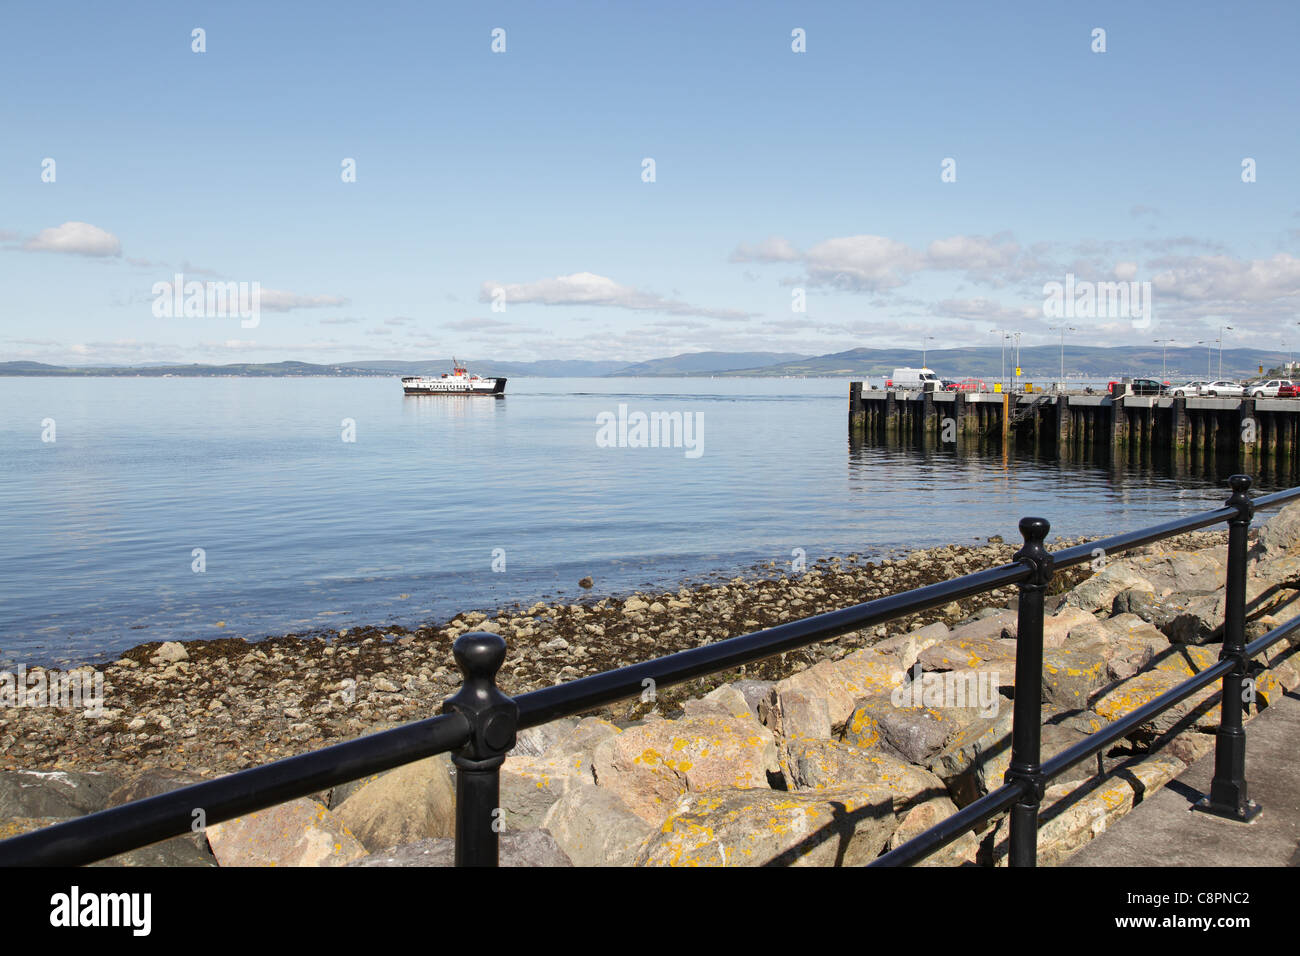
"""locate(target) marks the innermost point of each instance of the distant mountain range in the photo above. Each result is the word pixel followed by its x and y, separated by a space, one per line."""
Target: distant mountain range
pixel 1039 362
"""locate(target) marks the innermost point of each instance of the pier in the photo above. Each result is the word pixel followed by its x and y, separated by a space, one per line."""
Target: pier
pixel 1247 428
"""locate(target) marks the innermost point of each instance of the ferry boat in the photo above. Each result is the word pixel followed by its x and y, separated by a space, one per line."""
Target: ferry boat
pixel 456 382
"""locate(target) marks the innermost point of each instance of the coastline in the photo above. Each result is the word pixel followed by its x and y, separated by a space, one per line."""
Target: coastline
pixel 211 707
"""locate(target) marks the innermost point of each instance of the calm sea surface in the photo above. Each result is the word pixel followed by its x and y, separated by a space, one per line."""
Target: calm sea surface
pixel 301 529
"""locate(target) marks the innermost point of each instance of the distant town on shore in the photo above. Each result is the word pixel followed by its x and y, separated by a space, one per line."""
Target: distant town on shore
pixel 1036 361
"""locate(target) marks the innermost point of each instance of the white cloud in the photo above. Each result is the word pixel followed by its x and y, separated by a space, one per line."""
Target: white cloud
pixel 772 249
pixel 986 310
pixel 587 288
pixel 972 253
pixel 75 238
pixel 1225 279
pixel 866 263
pixel 276 300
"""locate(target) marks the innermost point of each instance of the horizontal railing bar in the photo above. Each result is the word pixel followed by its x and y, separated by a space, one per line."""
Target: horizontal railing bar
pixel 598 690
pixel 142 822
pixel 1080 553
pixel 1264 642
pixel 948 830
pixel 1125 725
pixel 1264 502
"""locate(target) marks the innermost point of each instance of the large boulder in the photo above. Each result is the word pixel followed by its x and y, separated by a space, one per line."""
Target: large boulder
pixel 1159 611
pixel 54 793
pixel 833 765
pixel 408 803
pixel 961 852
pixel 1098 592
pixel 916 732
pixel 595 827
pixel 1176 571
pixel 1279 536
pixel 651 765
pixel 997 623
pixel 189 850
pixel 847 827
pixel 584 738
pixel 1199 619
pixel 724 701
pixel 298 833
pixel 975 758
pixel 1127 642
pixel 841 682
pixel 530 786
pixel 794 715
pixel 152 782
pixel 514 849
pixel 1198 710
pixel 1058 627
pixel 535 741
pixel 904 649
pixel 1071 674
pixel 980 653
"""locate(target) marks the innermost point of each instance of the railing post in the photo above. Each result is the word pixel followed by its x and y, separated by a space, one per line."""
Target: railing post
pixel 1026 731
pixel 493 718
pixel 1227 797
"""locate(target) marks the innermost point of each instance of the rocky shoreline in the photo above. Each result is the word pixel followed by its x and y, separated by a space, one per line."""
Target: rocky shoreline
pixel 214 706
pixel 827 756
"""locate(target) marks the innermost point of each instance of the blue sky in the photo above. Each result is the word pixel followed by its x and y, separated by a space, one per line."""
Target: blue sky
pixel 775 171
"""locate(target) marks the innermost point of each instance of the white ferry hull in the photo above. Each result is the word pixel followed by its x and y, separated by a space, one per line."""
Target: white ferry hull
pixel 454 386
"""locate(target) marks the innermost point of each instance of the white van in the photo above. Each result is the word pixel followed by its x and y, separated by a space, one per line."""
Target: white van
pixel 915 378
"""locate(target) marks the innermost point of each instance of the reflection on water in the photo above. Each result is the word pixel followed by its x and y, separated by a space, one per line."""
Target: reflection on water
pixel 974 480
pixel 303 530
pixel 451 408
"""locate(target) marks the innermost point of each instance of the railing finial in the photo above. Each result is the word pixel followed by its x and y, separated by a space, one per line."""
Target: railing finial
pixel 493 718
pixel 1033 552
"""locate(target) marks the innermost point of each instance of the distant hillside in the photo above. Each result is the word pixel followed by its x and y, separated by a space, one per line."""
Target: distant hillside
pixel 547 368
pixel 1040 363
pixel 708 363
pixel 241 369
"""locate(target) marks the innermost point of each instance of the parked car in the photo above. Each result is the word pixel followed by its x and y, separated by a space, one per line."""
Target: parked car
pixel 1147 386
pixel 1288 391
pixel 1223 389
pixel 967 385
pixel 1267 389
pixel 1191 389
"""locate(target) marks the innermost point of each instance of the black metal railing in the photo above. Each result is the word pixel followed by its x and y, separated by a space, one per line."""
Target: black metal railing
pixel 479 723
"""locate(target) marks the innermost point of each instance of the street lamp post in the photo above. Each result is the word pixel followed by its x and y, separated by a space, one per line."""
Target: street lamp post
pixel 1222 329
pixel 1164 350
pixel 1062 329
pixel 1003 333
pixel 924 339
